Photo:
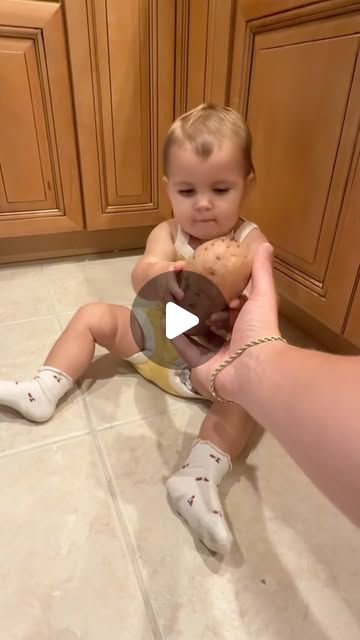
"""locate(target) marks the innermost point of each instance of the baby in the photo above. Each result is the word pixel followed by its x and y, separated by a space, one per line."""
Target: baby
pixel 207 172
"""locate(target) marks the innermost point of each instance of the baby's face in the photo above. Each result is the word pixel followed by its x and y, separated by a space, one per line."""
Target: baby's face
pixel 206 194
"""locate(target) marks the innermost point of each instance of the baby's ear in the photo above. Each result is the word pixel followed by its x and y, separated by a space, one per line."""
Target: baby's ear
pixel 249 184
pixel 250 178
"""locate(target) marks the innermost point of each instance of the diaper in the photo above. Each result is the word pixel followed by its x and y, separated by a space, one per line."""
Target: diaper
pixel 175 378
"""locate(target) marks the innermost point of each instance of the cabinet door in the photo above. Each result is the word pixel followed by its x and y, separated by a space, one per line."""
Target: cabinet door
pixel 297 79
pixel 122 57
pixel 39 181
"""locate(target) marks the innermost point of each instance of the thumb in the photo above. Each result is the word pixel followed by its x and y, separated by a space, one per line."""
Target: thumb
pixel 262 279
pixel 179 265
pixel 188 349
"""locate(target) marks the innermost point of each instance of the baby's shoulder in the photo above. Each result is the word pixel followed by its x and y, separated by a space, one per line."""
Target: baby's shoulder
pixel 173 228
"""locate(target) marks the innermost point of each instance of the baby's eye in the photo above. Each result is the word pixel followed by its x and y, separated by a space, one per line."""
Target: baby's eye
pixel 186 192
pixel 221 190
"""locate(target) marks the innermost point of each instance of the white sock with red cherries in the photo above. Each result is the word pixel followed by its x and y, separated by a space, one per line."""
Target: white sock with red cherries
pixel 36 399
pixel 193 493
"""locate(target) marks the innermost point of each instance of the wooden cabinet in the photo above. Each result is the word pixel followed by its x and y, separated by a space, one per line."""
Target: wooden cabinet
pixel 106 128
pixel 39 178
pixel 296 78
pixel 122 58
pixel 292 67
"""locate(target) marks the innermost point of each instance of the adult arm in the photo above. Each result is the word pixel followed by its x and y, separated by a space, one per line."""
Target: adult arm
pixel 309 401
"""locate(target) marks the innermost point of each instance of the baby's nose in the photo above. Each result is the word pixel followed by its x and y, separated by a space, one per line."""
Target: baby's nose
pixel 203 201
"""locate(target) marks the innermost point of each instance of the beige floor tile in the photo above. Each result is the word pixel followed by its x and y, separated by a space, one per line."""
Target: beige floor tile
pixel 114 392
pixel 23 347
pixel 78 281
pixel 64 569
pixel 23 293
pixel 293 572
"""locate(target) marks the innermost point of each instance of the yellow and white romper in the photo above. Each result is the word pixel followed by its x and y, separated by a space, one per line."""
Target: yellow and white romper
pixel 174 379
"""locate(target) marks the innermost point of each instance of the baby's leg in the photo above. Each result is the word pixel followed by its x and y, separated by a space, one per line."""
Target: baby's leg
pixel 97 323
pixel 193 490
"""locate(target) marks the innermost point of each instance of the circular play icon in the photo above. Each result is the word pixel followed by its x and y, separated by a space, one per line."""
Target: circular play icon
pixel 158 316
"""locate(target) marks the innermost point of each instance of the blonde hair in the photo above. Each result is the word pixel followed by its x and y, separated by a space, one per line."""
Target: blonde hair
pixel 204 128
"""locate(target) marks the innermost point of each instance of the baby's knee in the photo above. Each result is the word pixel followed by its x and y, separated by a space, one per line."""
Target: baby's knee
pixel 92 315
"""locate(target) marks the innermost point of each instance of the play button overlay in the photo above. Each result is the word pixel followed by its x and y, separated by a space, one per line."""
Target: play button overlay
pixel 178 320
pixel 157 316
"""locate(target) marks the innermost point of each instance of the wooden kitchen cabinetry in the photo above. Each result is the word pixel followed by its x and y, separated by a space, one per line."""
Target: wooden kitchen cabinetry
pixel 296 78
pixel 292 67
pixel 91 109
pixel 39 178
pixel 122 57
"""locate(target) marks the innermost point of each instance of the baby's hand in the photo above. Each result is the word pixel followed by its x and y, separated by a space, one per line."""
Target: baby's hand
pixel 237 303
pixel 169 285
pixel 226 319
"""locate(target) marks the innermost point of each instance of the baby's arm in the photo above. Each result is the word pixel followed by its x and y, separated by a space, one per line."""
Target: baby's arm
pixel 159 257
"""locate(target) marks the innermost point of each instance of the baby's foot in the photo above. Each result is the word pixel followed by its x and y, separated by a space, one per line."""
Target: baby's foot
pixel 36 399
pixel 193 493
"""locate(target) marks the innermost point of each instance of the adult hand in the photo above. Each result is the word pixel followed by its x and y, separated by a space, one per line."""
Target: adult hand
pixel 257 318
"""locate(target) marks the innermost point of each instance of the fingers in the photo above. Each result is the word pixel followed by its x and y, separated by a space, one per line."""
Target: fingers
pixel 238 303
pixel 173 286
pixel 190 351
pixel 218 319
pixel 176 292
pixel 179 265
pixel 224 319
pixel 235 303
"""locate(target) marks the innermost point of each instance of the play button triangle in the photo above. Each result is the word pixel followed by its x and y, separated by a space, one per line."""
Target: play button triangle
pixel 178 320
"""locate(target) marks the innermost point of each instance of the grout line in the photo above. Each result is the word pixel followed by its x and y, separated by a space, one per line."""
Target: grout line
pixel 129 545
pixel 43 445
pixel 49 290
pixel 32 318
pixel 130 421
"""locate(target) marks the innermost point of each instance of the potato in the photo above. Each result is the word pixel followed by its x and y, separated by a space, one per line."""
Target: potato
pixel 225 262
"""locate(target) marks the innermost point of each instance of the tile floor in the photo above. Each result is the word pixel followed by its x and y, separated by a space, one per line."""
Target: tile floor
pixel 88 545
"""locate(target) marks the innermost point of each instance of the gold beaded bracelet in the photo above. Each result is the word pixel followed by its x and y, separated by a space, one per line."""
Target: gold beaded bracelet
pixel 233 357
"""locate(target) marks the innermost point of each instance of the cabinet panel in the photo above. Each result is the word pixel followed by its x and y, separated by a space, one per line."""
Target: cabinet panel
pixel 204 33
pixel 297 114
pixel 25 160
pixel 296 78
pixel 39 180
pixel 123 65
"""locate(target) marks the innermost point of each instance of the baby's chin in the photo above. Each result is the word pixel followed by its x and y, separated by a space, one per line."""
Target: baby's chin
pixel 206 231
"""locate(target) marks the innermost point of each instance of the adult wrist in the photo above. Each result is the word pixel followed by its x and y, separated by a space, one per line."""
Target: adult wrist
pixel 236 382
